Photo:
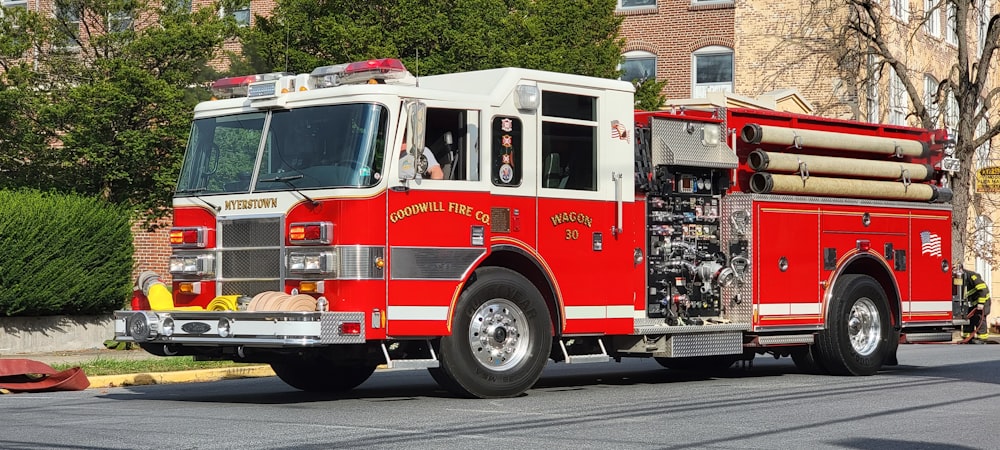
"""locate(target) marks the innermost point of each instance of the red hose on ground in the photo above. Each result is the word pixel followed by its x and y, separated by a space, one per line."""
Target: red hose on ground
pixel 25 375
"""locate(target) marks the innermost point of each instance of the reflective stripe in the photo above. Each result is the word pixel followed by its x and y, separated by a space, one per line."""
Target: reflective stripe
pixel 788 309
pixel 417 313
pixel 916 306
pixel 601 312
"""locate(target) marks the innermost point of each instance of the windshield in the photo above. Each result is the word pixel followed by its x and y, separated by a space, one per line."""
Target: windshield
pixel 306 148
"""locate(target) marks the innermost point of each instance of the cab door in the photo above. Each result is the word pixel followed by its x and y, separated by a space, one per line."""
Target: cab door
pixel 584 159
pixel 438 229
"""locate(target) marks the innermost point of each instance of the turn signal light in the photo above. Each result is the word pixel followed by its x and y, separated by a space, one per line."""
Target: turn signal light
pixel 310 233
pixel 189 237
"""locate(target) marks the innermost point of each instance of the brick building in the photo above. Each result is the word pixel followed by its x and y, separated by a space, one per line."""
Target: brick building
pixel 752 49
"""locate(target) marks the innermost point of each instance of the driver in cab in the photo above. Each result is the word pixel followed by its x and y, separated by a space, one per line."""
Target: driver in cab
pixel 433 170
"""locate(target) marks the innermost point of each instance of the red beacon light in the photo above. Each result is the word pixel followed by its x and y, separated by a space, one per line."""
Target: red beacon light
pixel 232 87
pixel 373 70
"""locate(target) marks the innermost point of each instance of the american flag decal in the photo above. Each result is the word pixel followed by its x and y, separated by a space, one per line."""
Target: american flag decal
pixel 930 243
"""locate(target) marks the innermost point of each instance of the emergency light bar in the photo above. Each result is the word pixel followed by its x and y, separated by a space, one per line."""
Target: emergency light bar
pixel 238 86
pixel 271 85
pixel 370 71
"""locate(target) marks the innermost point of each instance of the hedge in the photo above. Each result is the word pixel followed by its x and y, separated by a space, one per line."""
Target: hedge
pixel 63 255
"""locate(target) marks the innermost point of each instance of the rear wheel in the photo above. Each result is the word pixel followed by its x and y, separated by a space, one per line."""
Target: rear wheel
pixel 858 334
pixel 313 376
pixel 500 338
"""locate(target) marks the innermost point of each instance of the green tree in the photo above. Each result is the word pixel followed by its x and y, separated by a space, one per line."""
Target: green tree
pixel 571 36
pixel 96 99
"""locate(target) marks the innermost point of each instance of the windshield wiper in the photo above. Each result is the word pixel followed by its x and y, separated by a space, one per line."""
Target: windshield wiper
pixel 194 193
pixel 288 180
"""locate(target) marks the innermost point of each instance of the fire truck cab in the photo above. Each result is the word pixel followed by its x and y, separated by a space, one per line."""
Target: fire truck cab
pixel 480 224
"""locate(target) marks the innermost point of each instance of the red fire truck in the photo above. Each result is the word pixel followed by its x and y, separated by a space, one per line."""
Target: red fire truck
pixel 536 216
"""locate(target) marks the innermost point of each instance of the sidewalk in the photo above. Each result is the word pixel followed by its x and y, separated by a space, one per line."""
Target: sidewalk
pixel 139 379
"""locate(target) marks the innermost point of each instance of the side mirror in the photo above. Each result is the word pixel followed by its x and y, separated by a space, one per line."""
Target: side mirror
pixel 416 127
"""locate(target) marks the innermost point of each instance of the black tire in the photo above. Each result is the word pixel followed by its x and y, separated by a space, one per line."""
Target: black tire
pixel 322 376
pixel 500 338
pixel 805 360
pixel 716 363
pixel 858 330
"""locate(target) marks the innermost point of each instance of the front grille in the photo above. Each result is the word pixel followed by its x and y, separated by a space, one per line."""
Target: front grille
pixel 250 253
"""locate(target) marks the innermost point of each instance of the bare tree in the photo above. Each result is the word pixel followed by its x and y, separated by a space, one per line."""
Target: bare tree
pixel 866 45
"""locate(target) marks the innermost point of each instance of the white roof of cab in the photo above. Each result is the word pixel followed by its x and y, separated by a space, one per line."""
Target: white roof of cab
pixel 497 84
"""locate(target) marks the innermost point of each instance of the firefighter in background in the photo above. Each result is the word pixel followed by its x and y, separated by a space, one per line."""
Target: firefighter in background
pixel 977 297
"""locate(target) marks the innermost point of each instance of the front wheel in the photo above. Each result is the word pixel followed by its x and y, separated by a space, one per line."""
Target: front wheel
pixel 858 334
pixel 500 338
pixel 320 376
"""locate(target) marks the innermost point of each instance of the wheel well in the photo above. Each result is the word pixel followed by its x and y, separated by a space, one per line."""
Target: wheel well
pixel 518 260
pixel 868 265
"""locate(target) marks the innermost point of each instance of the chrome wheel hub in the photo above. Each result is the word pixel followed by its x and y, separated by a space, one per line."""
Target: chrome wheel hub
pixel 864 326
pixel 498 334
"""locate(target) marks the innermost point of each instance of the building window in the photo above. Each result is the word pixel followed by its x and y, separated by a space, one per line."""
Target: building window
pixel 14 4
pixel 872 89
pixel 897 99
pixel 626 4
pixel 178 5
pixel 951 33
pixel 638 65
pixel 982 12
pixel 930 97
pixel 951 114
pixel 900 9
pixel 68 17
pixel 241 13
pixel 933 24
pixel 983 151
pixel 984 246
pixel 119 21
pixel 712 70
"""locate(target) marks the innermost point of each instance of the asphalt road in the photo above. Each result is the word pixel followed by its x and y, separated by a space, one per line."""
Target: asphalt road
pixel 940 397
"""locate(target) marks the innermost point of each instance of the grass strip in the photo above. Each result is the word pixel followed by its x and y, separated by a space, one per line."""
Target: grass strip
pixel 106 366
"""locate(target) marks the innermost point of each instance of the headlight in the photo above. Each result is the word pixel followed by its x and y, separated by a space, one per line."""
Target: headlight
pixel 193 264
pixel 323 263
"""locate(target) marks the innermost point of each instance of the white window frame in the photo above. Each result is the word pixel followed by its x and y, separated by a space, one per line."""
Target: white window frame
pixel 930 89
pixel 70 42
pixel 639 55
pixel 984 244
pixel 249 13
pixel 898 101
pixel 983 151
pixel 982 22
pixel 620 5
pixel 900 9
pixel 951 28
pixel 933 24
pixel 699 90
pixel 951 114
pixel 872 89
pixel 120 17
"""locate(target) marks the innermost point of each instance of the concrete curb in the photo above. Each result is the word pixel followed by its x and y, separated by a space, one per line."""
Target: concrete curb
pixel 181 376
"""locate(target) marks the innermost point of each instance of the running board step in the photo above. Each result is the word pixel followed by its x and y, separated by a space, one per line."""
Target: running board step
pixel 927 337
pixel 410 363
pixel 585 358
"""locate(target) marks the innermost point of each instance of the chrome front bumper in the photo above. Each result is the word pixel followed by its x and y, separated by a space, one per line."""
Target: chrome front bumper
pixel 259 329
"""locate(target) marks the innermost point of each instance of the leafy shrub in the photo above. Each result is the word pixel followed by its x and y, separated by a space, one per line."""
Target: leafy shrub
pixel 63 254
